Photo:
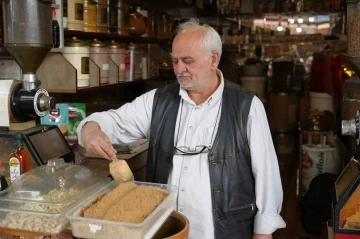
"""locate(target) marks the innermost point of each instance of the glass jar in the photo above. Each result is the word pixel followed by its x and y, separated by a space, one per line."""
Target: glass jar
pixel 138 53
pixel 234 7
pixel 117 55
pixel 77 53
pixel 223 7
pixel 89 16
pixel 123 18
pixel 101 16
pixel 137 26
pixel 133 58
pixel 150 24
pixel 112 16
pixel 75 14
pixel 99 54
pixel 283 73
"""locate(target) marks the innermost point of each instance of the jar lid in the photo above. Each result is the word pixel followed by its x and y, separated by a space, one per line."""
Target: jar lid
pixel 131 45
pixel 97 43
pixel 74 41
pixel 115 45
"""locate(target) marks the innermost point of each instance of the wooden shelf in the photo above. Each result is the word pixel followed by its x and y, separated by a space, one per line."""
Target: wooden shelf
pixel 107 36
pixel 123 83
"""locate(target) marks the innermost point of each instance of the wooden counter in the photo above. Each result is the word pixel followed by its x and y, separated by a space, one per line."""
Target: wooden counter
pixel 136 160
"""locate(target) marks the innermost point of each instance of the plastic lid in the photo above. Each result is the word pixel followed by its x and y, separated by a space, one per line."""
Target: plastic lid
pixel 97 43
pixel 115 45
pixel 57 185
pixel 131 45
pixel 74 41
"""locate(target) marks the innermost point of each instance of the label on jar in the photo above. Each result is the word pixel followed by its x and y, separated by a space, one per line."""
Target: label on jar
pixel 79 11
pixel 14 168
pixel 84 65
pixel 105 67
pixel 122 66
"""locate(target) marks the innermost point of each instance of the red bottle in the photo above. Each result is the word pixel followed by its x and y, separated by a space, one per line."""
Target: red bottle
pixel 19 159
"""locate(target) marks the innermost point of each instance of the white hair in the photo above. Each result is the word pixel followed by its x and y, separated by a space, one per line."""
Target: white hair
pixel 211 38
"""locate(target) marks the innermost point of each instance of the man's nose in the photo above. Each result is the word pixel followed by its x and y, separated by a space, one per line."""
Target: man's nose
pixel 179 67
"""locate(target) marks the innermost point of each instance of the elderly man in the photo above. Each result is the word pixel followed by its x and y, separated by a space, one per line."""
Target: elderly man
pixel 207 136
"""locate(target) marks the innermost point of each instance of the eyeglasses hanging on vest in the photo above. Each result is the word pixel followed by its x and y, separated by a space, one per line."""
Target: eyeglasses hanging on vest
pixel 185 150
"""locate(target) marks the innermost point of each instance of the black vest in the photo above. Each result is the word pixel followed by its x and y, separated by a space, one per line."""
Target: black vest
pixel 231 179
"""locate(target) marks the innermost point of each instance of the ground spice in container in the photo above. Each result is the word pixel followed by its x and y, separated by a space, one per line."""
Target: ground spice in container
pixel 353 35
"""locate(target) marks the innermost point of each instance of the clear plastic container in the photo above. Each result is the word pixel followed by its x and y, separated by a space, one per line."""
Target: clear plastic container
pixel 37 200
pixel 103 229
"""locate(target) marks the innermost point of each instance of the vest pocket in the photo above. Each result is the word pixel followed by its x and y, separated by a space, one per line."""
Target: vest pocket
pixel 244 212
pixel 238 224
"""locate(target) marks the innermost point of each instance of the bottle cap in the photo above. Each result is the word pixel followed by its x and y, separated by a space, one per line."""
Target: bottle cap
pixel 18 136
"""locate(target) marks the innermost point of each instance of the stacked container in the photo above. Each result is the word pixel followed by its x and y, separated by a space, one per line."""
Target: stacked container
pixel 37 200
pixel 89 16
pixel 101 16
pixel 99 54
pixel 112 16
pixel 283 112
pixel 123 18
pixel 117 55
pixel 73 14
pixel 77 53
pixel 254 77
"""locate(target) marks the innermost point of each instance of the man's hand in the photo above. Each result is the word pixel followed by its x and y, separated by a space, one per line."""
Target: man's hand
pixel 261 236
pixel 96 142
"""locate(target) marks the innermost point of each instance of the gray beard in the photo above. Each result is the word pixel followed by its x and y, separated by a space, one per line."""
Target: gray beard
pixel 192 86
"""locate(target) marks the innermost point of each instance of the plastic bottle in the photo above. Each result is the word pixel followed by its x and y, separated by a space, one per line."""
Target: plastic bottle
pixel 3 183
pixel 55 29
pixel 19 159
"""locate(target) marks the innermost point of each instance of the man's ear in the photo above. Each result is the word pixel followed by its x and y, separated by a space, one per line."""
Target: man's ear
pixel 214 60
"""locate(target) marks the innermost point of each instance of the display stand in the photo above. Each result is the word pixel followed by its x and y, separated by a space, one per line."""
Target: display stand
pixel 65 79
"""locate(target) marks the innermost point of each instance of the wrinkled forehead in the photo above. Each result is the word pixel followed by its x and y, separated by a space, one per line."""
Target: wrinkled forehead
pixel 187 44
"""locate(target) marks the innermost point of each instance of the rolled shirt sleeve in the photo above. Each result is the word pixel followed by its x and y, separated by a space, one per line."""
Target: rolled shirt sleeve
pixel 126 124
pixel 268 188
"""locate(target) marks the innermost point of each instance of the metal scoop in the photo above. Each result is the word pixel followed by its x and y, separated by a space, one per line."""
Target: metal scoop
pixel 120 171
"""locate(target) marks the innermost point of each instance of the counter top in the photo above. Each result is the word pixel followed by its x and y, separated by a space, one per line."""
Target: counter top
pixel 101 165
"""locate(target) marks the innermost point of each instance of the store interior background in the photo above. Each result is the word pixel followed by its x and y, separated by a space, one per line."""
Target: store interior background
pixel 284 50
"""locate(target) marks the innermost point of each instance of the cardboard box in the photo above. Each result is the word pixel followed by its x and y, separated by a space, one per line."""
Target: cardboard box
pixel 67 117
pixel 76 114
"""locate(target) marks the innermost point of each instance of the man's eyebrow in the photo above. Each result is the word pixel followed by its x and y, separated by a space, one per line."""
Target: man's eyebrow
pixel 182 57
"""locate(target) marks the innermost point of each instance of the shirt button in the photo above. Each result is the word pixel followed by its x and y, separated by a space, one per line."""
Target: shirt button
pixel 185 168
pixel 190 127
pixel 182 189
pixel 181 210
pixel 197 108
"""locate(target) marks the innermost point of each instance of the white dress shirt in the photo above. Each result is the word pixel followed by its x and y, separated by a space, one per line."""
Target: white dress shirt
pixel 198 126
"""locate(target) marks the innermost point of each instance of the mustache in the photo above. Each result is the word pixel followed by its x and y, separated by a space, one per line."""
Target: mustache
pixel 183 74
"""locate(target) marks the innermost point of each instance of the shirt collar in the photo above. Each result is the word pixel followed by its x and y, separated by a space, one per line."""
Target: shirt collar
pixel 212 99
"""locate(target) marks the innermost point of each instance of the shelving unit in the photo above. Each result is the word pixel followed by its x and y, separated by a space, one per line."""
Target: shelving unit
pixel 124 83
pixel 107 36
